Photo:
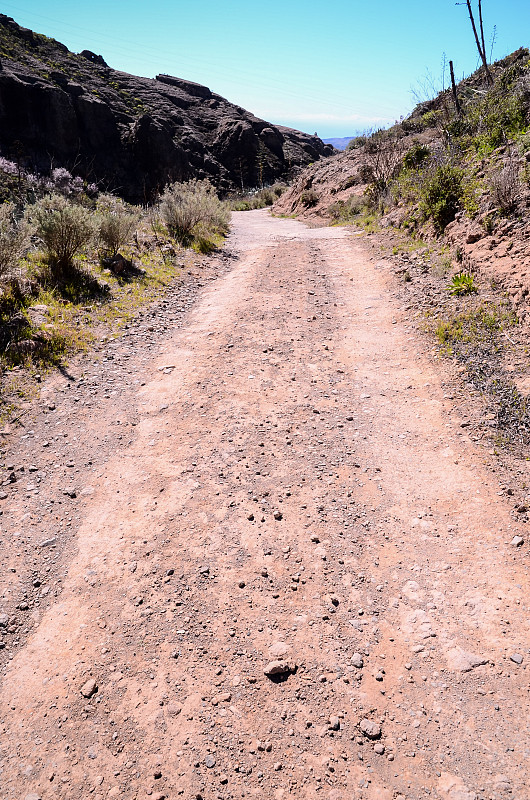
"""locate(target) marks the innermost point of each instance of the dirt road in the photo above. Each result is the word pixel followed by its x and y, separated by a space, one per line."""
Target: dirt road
pixel 291 487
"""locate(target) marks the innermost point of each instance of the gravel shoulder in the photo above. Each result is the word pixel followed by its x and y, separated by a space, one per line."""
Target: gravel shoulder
pixel 280 567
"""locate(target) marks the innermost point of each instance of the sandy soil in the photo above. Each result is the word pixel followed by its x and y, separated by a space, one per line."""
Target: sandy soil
pixel 269 473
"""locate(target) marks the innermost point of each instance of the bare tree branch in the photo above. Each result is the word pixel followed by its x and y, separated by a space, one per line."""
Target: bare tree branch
pixel 479 41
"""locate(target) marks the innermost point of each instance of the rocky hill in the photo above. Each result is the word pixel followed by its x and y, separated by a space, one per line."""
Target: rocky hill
pixel 129 134
pixel 458 176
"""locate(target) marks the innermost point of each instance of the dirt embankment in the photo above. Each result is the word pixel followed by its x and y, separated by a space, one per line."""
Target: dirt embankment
pixel 283 569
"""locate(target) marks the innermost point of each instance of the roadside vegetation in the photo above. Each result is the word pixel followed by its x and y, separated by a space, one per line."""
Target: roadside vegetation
pixel 261 198
pixel 75 262
pixel 444 160
pixel 454 173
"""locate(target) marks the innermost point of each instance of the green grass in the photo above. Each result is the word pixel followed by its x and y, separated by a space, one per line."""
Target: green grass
pixel 459 333
pixel 96 303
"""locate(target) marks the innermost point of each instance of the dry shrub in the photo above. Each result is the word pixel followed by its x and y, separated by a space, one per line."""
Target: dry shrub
pixel 505 187
pixel 117 222
pixel 64 229
pixel 193 212
pixel 14 239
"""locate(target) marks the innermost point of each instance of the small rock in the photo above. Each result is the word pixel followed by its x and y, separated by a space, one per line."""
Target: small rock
pixel 3 496
pixel 89 688
pixel 224 697
pixel 370 728
pixel 517 541
pixel 33 796
pixel 357 660
pixel 48 542
pixel 210 761
pixel 277 766
pixel 278 668
pixel 379 748
pixel 516 658
pixel 334 723
pixel 4 619
pixel 278 515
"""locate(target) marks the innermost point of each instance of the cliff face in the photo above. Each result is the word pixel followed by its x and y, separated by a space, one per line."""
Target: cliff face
pixel 131 135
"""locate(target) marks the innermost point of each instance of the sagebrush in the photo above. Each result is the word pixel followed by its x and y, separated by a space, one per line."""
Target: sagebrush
pixel 192 212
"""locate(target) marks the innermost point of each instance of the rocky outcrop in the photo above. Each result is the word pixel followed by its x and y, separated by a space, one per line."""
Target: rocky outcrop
pixel 130 134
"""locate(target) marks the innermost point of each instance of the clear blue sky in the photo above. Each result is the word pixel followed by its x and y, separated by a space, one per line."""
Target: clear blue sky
pixel 332 67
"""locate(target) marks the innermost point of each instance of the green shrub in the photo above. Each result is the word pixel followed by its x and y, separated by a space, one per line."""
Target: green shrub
pixel 192 210
pixel 462 283
pixel 116 224
pixel 356 142
pixel 442 195
pixel 64 229
pixel 347 210
pixel 431 119
pixel 416 156
pixel 14 239
pixel 501 114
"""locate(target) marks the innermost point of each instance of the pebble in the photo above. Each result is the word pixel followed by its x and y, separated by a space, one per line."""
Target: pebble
pixel 379 748
pixel 357 660
pixel 210 761
pixel 89 688
pixel 516 658
pixel 370 728
pixel 517 541
pixel 334 723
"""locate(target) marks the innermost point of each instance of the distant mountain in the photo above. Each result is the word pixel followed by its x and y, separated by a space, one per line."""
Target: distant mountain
pixel 339 144
pixel 131 135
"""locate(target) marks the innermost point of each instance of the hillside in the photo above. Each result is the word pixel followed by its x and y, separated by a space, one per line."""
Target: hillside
pixel 458 178
pixel 131 135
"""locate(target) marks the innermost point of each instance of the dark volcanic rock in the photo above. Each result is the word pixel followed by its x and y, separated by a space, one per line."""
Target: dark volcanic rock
pixel 129 134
